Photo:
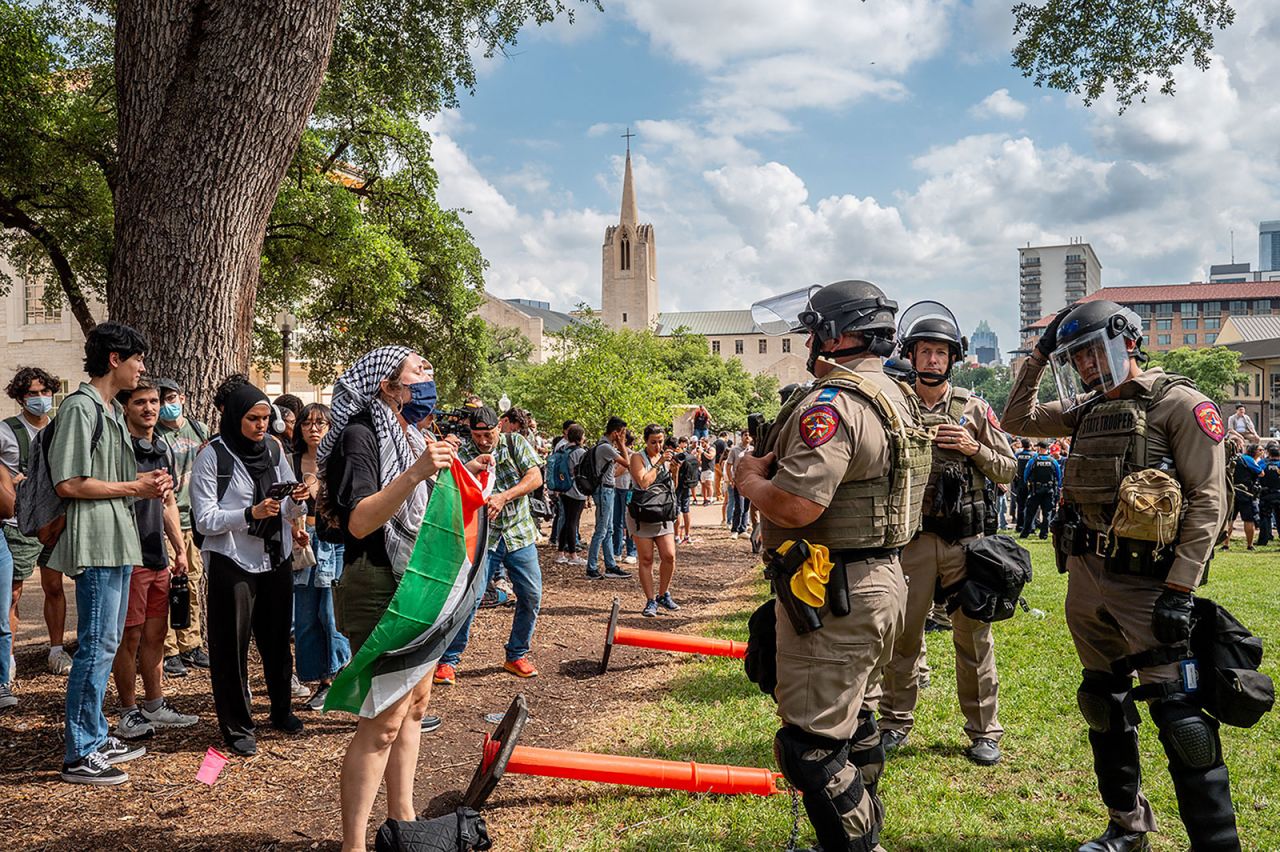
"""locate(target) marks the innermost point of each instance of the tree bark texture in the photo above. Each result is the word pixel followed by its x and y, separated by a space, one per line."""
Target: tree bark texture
pixel 213 97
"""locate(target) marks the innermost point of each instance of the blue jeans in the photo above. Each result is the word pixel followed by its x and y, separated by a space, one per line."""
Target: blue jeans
pixel 603 534
pixel 320 651
pixel 6 599
pixel 1002 508
pixel 738 510
pixel 102 601
pixel 526 579
pixel 623 543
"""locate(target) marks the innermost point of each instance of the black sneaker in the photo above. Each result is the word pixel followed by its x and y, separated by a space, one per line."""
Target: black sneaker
pixel 245 747
pixel 117 751
pixel 616 573
pixel 291 725
pixel 196 659
pixel 430 723
pixel 593 575
pixel 93 769
pixel 173 666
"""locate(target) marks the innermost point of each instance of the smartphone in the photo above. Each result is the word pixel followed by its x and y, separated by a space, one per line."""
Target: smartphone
pixel 281 490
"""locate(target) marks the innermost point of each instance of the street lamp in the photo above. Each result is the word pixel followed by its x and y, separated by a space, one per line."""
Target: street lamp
pixel 286 322
pixel 504 403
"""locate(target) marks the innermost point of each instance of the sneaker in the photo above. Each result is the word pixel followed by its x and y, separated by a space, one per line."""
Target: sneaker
pixel 650 610
pixel 134 726
pixel 115 751
pixel 561 558
pixel 173 666
pixel 503 585
pixel 983 752
pixel 60 663
pixel 521 667
pixel 316 701
pixel 579 561
pixel 197 658
pixel 630 560
pixel 616 573
pixel 93 769
pixel 445 674
pixel 735 536
pixel 493 596
pixel 891 740
pixel 290 725
pixel 430 723
pixel 667 602
pixel 166 717
pixel 7 698
pixel 245 747
pixel 593 575
pixel 299 691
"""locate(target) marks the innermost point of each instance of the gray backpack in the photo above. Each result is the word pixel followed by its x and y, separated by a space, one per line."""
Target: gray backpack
pixel 41 511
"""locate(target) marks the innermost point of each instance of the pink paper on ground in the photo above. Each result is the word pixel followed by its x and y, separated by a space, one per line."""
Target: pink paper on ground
pixel 211 768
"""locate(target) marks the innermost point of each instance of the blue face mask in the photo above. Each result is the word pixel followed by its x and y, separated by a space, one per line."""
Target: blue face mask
pixel 38 406
pixel 422 404
pixel 171 411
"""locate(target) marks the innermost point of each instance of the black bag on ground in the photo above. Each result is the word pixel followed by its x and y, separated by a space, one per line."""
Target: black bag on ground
pixel 996 569
pixel 761 661
pixel 461 831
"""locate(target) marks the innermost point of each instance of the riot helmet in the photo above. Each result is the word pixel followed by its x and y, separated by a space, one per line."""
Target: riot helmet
pixel 829 312
pixel 929 320
pixel 1091 352
pixel 900 369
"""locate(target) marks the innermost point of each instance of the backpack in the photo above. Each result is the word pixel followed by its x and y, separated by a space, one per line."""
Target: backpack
pixel 690 471
pixel 586 478
pixel 41 511
pixel 23 437
pixel 461 831
pixel 559 470
pixel 226 466
pixel 996 570
pixel 1228 685
pixel 655 504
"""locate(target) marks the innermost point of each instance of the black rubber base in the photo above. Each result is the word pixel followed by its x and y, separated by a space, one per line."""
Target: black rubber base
pixel 507 735
pixel 608 636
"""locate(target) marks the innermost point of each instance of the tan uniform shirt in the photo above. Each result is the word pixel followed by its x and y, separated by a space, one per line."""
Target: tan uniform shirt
pixel 1191 440
pixel 994 457
pixel 828 442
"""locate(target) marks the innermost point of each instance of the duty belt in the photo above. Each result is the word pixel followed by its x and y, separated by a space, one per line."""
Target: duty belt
pixel 864 553
pixel 1119 555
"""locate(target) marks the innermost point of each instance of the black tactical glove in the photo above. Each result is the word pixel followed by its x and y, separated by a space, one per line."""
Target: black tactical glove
pixel 1049 339
pixel 1171 618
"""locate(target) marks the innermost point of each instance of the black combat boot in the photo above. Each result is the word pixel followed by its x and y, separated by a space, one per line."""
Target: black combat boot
pixel 1116 839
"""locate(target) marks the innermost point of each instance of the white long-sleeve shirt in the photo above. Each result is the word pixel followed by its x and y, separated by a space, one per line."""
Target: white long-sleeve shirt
pixel 223 524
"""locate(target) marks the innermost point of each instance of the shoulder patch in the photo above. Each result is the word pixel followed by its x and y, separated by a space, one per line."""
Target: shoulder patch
pixel 818 425
pixel 828 394
pixel 1210 421
pixel 993 420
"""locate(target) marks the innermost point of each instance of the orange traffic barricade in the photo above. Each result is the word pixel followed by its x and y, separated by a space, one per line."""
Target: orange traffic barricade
pixel 615 634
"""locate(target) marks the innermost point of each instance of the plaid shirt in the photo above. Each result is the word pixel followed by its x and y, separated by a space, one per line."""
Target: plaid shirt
pixel 515 523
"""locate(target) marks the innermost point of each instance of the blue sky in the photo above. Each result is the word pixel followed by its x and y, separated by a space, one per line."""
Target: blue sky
pixel 781 145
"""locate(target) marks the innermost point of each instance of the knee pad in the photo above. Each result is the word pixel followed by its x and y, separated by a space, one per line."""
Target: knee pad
pixel 1105 704
pixel 1190 738
pixel 809 761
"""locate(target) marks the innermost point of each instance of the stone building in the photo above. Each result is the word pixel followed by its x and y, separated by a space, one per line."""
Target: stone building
pixel 629 266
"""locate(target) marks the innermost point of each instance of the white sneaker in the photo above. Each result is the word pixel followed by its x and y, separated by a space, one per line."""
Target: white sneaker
pixel 630 560
pixel 166 717
pixel 735 536
pixel 7 698
pixel 577 560
pixel 134 726
pixel 60 663
pixel 299 691
pixel 561 559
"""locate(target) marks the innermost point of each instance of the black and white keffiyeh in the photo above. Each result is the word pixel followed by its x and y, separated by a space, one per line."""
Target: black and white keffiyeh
pixel 357 392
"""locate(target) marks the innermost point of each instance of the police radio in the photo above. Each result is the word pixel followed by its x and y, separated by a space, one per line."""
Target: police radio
pixel 758 428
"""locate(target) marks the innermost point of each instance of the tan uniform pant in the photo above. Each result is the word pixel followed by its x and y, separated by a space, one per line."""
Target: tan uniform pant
pixel 823 676
pixel 1109 616
pixel 189 638
pixel 924 561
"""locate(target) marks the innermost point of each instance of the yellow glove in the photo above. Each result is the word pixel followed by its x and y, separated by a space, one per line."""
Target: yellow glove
pixel 809 584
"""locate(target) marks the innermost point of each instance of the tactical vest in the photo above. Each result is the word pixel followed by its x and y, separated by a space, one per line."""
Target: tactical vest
pixel 1111 441
pixel 1270 479
pixel 869 513
pixel 954 505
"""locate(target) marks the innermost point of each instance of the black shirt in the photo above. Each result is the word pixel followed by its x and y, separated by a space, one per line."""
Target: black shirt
pixel 352 473
pixel 149 514
pixel 721 449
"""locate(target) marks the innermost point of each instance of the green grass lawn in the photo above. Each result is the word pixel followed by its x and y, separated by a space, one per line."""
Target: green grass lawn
pixel 1041 796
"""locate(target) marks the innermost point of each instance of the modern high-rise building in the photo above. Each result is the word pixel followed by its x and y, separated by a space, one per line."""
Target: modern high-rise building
pixel 984 345
pixel 1269 245
pixel 1052 277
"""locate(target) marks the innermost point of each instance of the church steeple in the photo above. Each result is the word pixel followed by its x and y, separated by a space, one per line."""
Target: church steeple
pixel 630 263
pixel 629 216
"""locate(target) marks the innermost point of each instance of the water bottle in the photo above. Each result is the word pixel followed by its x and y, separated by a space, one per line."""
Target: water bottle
pixel 179 602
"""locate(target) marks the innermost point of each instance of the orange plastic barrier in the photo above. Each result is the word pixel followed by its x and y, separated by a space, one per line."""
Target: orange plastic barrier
pixel 615 634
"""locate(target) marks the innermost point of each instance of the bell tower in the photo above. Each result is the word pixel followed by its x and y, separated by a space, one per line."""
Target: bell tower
pixel 629 279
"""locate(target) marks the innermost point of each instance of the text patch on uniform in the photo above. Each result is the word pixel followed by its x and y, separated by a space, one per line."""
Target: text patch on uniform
pixel 1210 421
pixel 818 425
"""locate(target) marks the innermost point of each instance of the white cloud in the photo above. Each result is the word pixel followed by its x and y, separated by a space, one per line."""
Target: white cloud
pixel 999 104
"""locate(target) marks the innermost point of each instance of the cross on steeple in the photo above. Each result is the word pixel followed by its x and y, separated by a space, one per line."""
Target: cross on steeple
pixel 628 136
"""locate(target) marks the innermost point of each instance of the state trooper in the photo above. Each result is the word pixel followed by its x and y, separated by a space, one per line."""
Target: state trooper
pixel 1127 595
pixel 836 473
pixel 1041 479
pixel 1019 489
pixel 968 448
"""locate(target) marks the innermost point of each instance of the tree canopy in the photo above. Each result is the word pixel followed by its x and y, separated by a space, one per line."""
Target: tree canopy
pixel 1214 369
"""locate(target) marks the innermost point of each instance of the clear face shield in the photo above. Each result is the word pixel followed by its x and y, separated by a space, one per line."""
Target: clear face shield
pixel 921 311
pixel 781 314
pixel 1096 361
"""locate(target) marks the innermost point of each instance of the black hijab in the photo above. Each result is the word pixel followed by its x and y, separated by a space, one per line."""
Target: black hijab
pixel 254 455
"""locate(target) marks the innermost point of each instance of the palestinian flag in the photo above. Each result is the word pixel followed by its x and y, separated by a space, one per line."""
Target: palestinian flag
pixel 444 576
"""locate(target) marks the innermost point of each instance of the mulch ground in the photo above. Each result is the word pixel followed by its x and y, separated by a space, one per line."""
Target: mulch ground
pixel 286 798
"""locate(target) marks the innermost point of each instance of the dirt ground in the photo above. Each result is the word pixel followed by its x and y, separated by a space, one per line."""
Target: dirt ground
pixel 285 798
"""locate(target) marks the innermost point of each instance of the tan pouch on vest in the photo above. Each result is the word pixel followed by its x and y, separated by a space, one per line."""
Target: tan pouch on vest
pixel 1148 507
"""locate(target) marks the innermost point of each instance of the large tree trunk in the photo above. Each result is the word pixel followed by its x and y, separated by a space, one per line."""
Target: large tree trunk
pixel 213 97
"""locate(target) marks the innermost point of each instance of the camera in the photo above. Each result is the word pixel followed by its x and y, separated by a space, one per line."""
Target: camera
pixel 680 457
pixel 454 422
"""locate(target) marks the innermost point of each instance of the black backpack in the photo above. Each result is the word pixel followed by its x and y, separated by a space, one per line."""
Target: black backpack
pixel 657 503
pixel 461 831
pixel 226 465
pixel 588 473
pixel 996 570
pixel 1230 688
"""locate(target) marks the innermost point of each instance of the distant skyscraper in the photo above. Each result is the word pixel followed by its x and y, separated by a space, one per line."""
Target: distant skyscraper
pixel 1052 277
pixel 1269 245
pixel 984 345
